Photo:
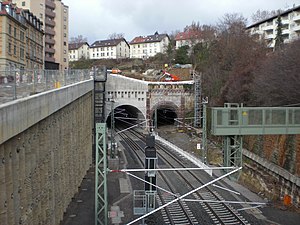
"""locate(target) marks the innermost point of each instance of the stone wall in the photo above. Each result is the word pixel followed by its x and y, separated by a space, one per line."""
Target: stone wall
pixel 42 167
pixel 269 179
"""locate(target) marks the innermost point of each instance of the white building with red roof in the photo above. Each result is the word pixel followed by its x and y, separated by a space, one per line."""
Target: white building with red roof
pixel 148 46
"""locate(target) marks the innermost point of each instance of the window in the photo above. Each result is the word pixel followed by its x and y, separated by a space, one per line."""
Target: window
pixel 15 32
pixel 21 35
pixel 65 43
pixel 9 47
pixel 65 60
pixel 22 53
pixel 23 3
pixel 15 50
pixel 108 54
pixel 9 28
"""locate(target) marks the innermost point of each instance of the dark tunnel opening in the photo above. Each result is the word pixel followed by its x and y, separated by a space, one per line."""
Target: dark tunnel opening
pixel 125 116
pixel 165 116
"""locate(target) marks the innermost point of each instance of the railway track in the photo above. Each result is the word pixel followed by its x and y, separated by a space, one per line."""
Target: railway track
pixel 176 213
pixel 180 213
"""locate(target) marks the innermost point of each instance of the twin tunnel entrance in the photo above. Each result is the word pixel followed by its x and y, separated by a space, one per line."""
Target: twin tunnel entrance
pixel 127 115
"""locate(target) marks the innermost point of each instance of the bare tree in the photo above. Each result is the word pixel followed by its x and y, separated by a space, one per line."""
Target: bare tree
pixel 277 80
pixel 116 36
pixel 260 15
pixel 78 39
pixel 230 62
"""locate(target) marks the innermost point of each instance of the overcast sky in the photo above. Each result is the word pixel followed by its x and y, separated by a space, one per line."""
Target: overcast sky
pixel 97 19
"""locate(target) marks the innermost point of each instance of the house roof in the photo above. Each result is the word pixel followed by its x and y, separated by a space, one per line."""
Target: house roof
pixel 106 43
pixel 273 17
pixel 148 39
pixel 74 46
pixel 186 35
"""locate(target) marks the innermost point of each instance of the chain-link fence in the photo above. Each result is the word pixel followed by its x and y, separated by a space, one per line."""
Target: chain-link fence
pixel 15 84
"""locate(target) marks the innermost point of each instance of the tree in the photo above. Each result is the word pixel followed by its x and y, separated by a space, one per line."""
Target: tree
pixel 78 39
pixel 260 15
pixel 231 60
pixel 277 80
pixel 279 37
pixel 181 55
pixel 116 36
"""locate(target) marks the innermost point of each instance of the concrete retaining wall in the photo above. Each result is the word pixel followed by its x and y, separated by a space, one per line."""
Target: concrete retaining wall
pixel 18 115
pixel 45 151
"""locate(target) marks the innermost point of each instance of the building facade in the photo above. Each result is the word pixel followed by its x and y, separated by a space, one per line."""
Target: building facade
pixel 12 36
pixel 55 17
pixel 34 41
pixel 109 49
pixel 79 51
pixel 148 46
pixel 267 29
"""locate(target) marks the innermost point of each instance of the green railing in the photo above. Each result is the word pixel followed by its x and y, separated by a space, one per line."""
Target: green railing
pixel 255 120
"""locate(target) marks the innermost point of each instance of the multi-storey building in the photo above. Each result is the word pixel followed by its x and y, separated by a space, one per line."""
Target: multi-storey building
pixel 34 41
pixel 110 49
pixel 267 28
pixel 78 51
pixel 55 16
pixel 12 36
pixel 148 46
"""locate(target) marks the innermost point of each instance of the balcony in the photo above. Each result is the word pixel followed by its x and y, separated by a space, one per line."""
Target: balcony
pixel 49 59
pixel 49 41
pixel 269 27
pixel 49 50
pixel 49 31
pixel 49 13
pixel 50 4
pixel 296 28
pixel 50 23
pixel 286 32
pixel 296 18
pixel 269 36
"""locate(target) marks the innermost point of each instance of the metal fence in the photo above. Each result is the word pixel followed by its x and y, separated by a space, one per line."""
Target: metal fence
pixel 15 84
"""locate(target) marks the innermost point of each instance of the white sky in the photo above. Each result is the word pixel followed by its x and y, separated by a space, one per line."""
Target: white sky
pixel 97 19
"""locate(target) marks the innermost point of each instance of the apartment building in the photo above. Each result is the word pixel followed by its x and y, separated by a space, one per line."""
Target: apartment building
pixel 34 41
pixel 12 36
pixel 55 17
pixel 148 46
pixel 109 49
pixel 22 39
pixel 79 51
pixel 267 28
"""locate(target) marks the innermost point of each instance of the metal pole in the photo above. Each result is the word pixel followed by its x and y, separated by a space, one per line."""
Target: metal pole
pixel 112 139
pixel 204 132
pixel 101 208
pixel 15 84
pixel 155 118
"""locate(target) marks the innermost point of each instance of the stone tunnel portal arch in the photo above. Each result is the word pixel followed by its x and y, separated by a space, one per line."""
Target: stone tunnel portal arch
pixel 126 115
pixel 166 113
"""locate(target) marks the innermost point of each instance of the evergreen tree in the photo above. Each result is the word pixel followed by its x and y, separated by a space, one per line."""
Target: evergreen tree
pixel 279 36
pixel 181 55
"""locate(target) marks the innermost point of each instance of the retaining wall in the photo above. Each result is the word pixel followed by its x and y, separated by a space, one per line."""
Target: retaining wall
pixel 45 151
